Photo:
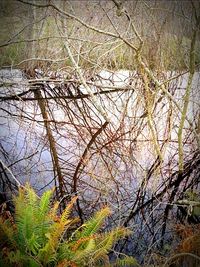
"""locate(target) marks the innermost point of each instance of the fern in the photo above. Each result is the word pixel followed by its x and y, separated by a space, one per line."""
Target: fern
pixel 86 252
pixel 66 212
pixel 108 239
pixel 37 238
pixel 25 227
pixel 33 244
pixel 93 225
pixel 44 206
pixel 26 212
pixel 53 211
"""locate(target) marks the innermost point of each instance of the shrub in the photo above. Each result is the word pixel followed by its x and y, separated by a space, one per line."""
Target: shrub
pixel 38 236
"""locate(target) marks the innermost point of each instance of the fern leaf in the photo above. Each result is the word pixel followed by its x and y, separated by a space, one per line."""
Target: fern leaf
pixel 126 262
pixel 45 202
pixel 84 253
pixel 25 226
pixel 107 240
pixel 82 242
pixel 18 258
pixel 66 212
pixel 93 225
pixel 48 253
pixel 53 211
pixel 106 243
pixel 31 196
pixel 33 244
pixel 65 252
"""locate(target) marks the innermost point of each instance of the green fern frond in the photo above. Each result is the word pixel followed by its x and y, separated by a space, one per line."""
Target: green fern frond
pixel 20 198
pixel 20 203
pixel 42 219
pixel 31 196
pixel 33 244
pixel 47 253
pixel 65 251
pixel 45 202
pixel 126 262
pixel 107 240
pixel 25 227
pixel 18 258
pixel 66 212
pixel 93 225
pixel 53 239
pixel 84 253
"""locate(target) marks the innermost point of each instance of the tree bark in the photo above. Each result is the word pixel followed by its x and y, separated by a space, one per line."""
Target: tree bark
pixel 52 142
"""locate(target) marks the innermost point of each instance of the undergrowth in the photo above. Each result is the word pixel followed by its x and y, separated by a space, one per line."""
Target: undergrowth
pixel 38 236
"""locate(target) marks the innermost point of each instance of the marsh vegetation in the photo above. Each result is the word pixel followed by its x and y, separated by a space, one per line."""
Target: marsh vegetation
pixel 100 101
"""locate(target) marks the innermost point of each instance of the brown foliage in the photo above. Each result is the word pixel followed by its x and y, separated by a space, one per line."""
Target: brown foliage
pixel 189 243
